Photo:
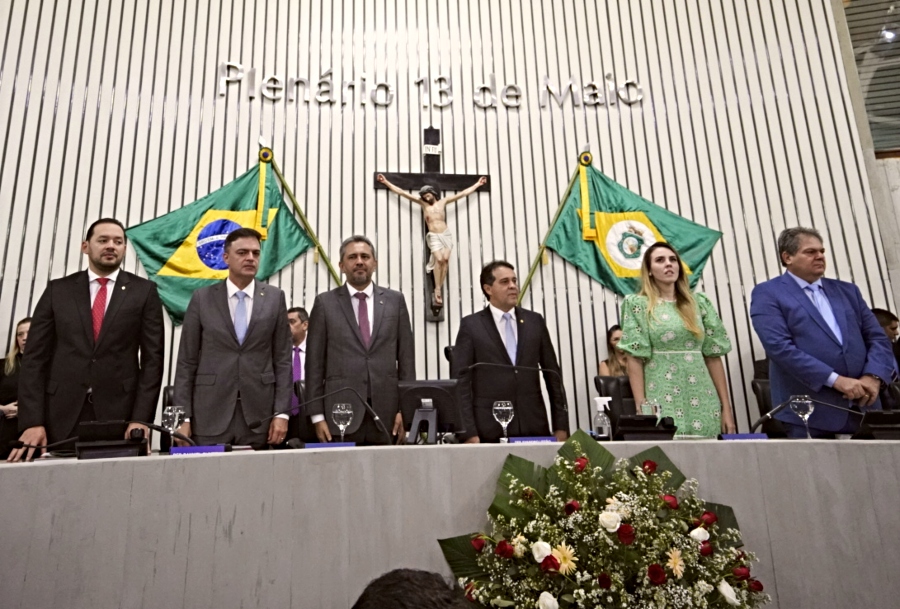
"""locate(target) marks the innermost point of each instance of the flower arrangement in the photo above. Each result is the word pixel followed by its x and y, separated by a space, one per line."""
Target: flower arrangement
pixel 593 531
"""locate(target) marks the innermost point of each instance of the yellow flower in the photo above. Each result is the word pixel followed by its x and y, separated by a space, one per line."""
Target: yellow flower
pixel 675 563
pixel 566 557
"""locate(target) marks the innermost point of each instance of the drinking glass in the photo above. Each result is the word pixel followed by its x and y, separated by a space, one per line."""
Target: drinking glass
pixel 803 407
pixel 172 418
pixel 342 415
pixel 503 413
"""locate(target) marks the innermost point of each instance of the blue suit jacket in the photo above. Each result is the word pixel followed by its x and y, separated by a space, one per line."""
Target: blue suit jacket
pixel 803 351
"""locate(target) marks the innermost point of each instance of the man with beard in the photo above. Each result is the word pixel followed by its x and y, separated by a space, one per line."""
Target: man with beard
pixel 95 347
pixel 359 338
pixel 439 238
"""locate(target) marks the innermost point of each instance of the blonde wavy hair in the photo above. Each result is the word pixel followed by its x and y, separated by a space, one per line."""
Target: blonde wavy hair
pixel 10 363
pixel 684 299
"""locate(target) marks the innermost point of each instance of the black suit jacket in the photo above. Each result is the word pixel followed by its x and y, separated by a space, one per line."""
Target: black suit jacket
pixel 479 341
pixel 123 369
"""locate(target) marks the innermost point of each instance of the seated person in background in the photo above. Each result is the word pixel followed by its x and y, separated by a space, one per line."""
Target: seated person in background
pixel 616 362
pixel 891 326
pixel 411 589
pixel 9 388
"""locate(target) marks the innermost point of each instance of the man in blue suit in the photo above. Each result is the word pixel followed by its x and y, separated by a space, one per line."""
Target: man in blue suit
pixel 821 338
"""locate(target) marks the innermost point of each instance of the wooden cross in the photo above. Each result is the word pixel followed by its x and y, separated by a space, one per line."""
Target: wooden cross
pixel 444 182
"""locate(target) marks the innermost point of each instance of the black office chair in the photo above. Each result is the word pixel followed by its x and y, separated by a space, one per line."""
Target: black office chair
pixel 619 389
pixel 773 427
pixel 168 397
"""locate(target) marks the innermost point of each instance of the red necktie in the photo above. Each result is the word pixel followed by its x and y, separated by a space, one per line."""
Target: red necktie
pixel 99 307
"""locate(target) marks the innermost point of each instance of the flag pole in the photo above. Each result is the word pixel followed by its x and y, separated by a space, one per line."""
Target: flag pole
pixel 543 247
pixel 305 222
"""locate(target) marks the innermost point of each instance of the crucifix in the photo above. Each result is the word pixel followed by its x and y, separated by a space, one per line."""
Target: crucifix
pixel 438 237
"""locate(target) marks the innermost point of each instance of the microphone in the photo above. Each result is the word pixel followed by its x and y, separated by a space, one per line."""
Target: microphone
pixel 162 429
pixel 531 368
pixel 259 423
pixel 14 444
pixel 784 405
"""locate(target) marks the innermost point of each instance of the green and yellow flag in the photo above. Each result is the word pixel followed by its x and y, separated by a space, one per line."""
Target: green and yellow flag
pixel 603 228
pixel 182 250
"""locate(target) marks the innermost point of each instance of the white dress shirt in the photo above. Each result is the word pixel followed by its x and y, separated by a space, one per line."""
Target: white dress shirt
pixel 501 323
pixel 95 286
pixel 233 299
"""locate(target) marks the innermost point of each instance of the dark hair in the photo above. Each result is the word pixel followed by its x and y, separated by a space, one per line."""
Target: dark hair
pixel 487 273
pixel 355 239
pixel 612 330
pixel 789 240
pixel 241 233
pixel 90 230
pixel 884 317
pixel 301 313
pixel 411 589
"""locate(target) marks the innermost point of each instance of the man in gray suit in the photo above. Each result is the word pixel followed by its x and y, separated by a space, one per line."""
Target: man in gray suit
pixel 234 362
pixel 346 349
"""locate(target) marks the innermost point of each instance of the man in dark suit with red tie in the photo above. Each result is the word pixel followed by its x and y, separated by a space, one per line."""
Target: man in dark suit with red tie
pixel 95 347
pixel 503 336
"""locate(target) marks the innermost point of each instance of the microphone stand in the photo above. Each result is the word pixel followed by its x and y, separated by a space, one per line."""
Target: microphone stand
pixel 165 430
pixel 784 405
pixel 378 423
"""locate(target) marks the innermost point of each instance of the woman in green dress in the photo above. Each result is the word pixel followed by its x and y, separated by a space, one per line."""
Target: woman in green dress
pixel 676 340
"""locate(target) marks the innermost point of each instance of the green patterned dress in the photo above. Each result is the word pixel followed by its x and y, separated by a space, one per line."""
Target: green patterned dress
pixel 675 372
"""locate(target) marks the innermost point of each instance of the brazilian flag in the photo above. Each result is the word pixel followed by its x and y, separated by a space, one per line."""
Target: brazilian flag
pixel 182 250
pixel 603 228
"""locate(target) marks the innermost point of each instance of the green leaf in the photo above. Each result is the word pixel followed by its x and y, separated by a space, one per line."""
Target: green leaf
pixel 567 598
pixel 527 473
pixel 460 557
pixel 499 602
pixel 663 464
pixel 727 520
pixel 590 448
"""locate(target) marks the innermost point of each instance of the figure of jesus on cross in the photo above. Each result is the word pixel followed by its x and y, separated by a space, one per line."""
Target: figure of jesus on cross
pixel 439 238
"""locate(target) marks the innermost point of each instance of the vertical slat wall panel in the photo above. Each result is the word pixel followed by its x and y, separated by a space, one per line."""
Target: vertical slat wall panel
pixel 745 126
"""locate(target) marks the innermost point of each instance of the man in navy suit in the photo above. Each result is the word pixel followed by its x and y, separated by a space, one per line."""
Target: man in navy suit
pixel 500 337
pixel 821 338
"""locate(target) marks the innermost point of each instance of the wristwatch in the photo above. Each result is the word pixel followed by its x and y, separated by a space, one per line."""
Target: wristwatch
pixel 881 383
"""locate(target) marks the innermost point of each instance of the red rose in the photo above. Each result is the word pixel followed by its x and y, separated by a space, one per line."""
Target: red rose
pixel 572 507
pixel 706 548
pixel 551 563
pixel 671 501
pixel 741 573
pixel 709 518
pixel 626 534
pixel 755 585
pixel 470 592
pixel 528 494
pixel 656 574
pixel 504 549
pixel 478 544
pixel 648 466
pixel 604 581
pixel 580 464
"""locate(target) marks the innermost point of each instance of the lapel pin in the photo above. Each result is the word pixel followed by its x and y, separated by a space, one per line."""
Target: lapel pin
pixel 380 302
pixel 521 321
pixel 123 287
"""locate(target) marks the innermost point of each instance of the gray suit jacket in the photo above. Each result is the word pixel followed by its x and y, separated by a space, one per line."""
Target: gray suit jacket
pixel 213 367
pixel 336 357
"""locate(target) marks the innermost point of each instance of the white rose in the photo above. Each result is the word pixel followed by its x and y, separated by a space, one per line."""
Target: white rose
pixel 547 600
pixel 540 550
pixel 610 521
pixel 727 592
pixel 699 534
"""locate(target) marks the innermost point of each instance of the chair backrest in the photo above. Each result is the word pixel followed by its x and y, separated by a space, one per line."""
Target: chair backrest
pixel 168 395
pixel 619 389
pixel 773 427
